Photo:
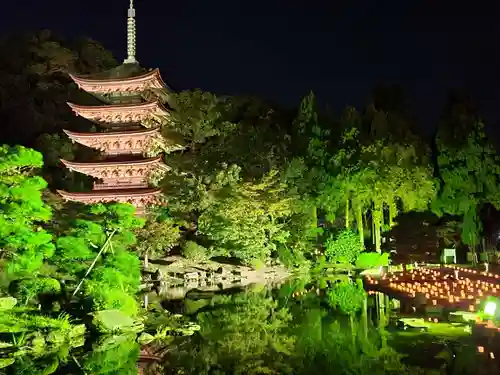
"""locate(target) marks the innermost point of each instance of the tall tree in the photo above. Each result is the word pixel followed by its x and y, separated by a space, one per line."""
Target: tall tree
pixel 24 243
pixel 469 170
pixel 100 239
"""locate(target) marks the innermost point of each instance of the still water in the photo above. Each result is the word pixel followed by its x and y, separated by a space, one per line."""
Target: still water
pixel 304 326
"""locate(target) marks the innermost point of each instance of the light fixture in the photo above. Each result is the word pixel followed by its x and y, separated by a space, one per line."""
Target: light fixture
pixel 490 308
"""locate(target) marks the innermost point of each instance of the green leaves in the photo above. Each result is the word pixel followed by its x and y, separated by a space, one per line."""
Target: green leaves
pixel 23 241
pixel 197 115
pixel 115 277
pixel 371 260
pixel 344 248
pixel 470 177
pixel 244 218
pixel 16 159
pixel 114 321
pixel 7 303
pixel 347 296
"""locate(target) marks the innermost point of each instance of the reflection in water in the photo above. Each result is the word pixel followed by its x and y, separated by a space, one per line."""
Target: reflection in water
pixel 289 330
pixel 303 327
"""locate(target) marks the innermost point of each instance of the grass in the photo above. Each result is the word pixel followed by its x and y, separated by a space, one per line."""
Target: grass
pixel 424 348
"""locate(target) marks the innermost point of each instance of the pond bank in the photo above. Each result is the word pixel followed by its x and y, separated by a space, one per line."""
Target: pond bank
pixel 175 276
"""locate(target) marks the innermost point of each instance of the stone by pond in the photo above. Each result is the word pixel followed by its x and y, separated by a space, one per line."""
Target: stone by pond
pixel 176 276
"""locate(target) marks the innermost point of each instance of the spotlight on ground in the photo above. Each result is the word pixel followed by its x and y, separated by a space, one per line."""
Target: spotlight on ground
pixel 490 308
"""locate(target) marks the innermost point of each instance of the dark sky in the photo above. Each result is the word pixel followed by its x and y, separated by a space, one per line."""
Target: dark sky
pixel 280 50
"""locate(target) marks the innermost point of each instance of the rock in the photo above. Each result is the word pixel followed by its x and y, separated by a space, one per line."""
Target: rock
pixel 191 276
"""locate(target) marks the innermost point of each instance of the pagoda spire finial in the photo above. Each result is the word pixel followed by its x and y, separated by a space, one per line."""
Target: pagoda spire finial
pixel 131 35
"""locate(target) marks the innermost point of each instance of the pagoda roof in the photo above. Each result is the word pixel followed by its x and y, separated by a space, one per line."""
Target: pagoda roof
pixel 137 162
pixel 123 78
pixel 138 197
pixel 116 168
pixel 116 142
pixel 120 113
pixel 110 193
pixel 112 134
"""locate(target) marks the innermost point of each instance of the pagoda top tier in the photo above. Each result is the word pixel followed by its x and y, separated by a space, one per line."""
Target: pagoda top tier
pixel 125 78
pixel 120 113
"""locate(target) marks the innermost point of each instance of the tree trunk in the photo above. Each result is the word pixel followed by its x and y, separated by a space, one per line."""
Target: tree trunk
pixel 347 218
pixel 146 266
pixel 108 241
pixel 373 227
pixel 364 316
pixel 483 244
pixel 377 223
pixel 382 320
pixel 353 331
pixel 474 255
pixel 359 223
pixel 393 212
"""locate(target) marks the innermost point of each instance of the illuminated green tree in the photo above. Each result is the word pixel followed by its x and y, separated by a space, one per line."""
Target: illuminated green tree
pixel 157 237
pixel 347 296
pixel 243 218
pixel 196 115
pixel 24 243
pixel 344 248
pixel 97 248
pixel 379 176
pixel 470 173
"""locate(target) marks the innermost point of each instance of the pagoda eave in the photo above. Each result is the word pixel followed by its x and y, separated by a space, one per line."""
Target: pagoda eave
pixel 111 163
pixel 138 83
pixel 116 142
pixel 108 194
pixel 140 198
pixel 127 133
pixel 117 169
pixel 120 113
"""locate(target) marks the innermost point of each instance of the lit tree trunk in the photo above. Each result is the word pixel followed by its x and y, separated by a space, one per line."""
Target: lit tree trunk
pixel 364 316
pixel 353 331
pixel 393 212
pixel 347 218
pixel 377 224
pixel 146 266
pixel 373 227
pixel 103 247
pixel 359 223
pixel 382 322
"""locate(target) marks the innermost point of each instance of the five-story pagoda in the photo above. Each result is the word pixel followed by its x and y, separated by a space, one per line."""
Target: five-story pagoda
pixel 127 117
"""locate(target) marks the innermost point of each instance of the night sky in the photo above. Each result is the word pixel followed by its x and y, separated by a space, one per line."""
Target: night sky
pixel 279 50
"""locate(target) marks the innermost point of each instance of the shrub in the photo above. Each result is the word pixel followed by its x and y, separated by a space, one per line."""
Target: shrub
pixel 372 260
pixel 257 264
pixel 291 258
pixel 344 248
pixel 348 297
pixel 192 251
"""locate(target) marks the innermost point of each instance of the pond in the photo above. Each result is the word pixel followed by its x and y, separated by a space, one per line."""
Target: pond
pixel 305 326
